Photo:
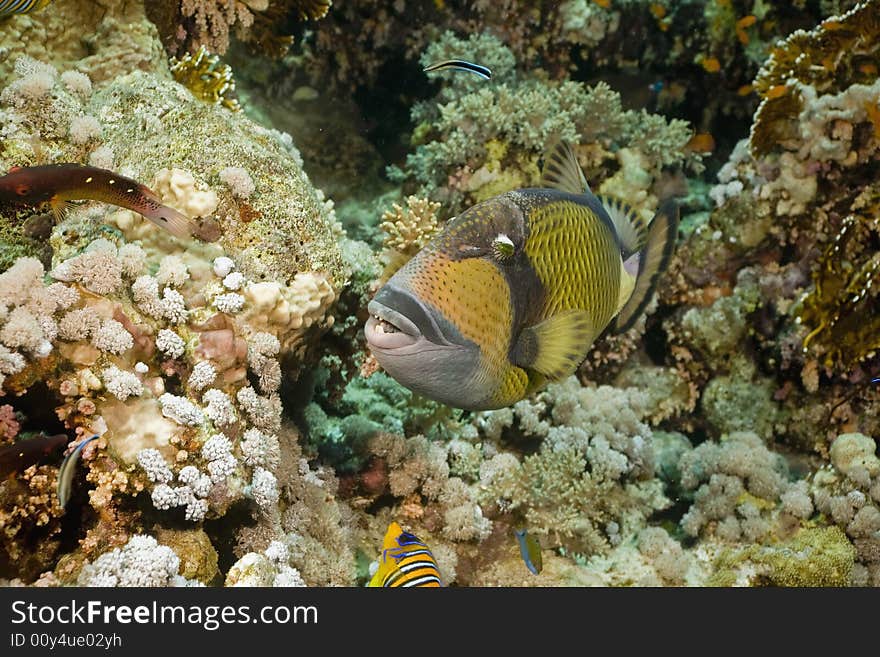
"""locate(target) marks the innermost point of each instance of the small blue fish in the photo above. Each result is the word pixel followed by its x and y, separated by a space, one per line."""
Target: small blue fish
pixel 530 550
pixel 875 380
pixel 68 468
pixel 9 7
pixel 460 65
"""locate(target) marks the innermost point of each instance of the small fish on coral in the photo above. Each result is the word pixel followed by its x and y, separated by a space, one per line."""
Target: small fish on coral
pixel 24 453
pixel 460 65
pixel 10 7
pixel 405 562
pixel 68 469
pixel 512 293
pixel 59 184
pixel 530 551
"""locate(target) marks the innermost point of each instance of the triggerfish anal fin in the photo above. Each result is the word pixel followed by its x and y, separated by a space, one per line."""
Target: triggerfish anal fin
pixel 653 260
pixel 530 551
pixel 460 65
pixel 561 170
pixel 68 469
pixel 556 346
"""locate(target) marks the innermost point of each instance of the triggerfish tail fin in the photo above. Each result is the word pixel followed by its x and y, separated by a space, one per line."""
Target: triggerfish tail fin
pixel 632 231
pixel 561 170
pixel 68 469
pixel 405 562
pixel 556 346
pixel 652 261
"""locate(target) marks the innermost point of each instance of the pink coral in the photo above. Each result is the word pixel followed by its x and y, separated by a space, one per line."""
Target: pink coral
pixel 9 426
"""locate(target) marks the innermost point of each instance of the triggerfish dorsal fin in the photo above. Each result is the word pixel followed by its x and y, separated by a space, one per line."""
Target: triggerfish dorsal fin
pixel 561 170
pixel 653 260
pixel 631 229
pixel 556 346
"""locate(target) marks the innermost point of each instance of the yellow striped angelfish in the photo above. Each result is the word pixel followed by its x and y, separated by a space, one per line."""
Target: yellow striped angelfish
pixel 405 561
pixel 9 7
pixel 514 291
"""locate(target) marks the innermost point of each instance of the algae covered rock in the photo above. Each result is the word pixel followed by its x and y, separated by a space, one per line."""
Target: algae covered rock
pixel 198 558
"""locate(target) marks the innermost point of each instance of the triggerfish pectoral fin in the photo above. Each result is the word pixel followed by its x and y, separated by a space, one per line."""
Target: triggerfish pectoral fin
pixel 653 260
pixel 556 346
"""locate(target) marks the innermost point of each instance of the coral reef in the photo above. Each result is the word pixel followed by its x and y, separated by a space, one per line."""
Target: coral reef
pixel 246 437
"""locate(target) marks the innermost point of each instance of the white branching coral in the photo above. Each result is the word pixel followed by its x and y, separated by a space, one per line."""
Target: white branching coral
pixel 153 463
pixel 234 281
pixel 145 292
pixel 173 306
pixel 172 271
pixel 199 482
pixel 264 488
pixel 140 562
pixel 84 129
pixel 112 337
pixel 203 374
pixel 170 344
pixel 78 324
pixel 181 410
pixel 98 269
pixel 219 409
pixel 223 266
pixel 263 412
pixel 122 384
pixel 260 449
pixel 217 450
pixel 229 303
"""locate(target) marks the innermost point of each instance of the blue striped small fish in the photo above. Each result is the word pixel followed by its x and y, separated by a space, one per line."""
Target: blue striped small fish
pixel 405 562
pixel 9 7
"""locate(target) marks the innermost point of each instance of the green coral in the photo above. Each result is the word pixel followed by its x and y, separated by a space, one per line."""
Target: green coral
pixel 819 556
pixel 719 330
pixel 742 401
pixel 525 114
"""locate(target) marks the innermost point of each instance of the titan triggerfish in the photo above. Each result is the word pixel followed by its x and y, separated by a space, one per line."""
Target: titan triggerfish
pixel 512 293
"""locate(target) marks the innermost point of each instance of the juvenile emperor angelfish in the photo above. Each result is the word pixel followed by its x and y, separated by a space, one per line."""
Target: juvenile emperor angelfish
pixel 515 290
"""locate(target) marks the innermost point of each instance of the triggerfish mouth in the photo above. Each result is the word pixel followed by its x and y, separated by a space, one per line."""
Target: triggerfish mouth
pixel 512 293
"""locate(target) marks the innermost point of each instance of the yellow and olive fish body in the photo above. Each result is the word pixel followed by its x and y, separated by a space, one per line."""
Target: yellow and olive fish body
pixel 58 184
pixel 512 293
pixel 405 561
pixel 10 7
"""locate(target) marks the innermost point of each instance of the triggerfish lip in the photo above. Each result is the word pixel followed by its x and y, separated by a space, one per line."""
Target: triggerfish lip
pixel 388 330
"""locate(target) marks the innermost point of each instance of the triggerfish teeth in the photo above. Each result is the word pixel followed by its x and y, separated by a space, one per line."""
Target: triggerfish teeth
pixel 512 293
